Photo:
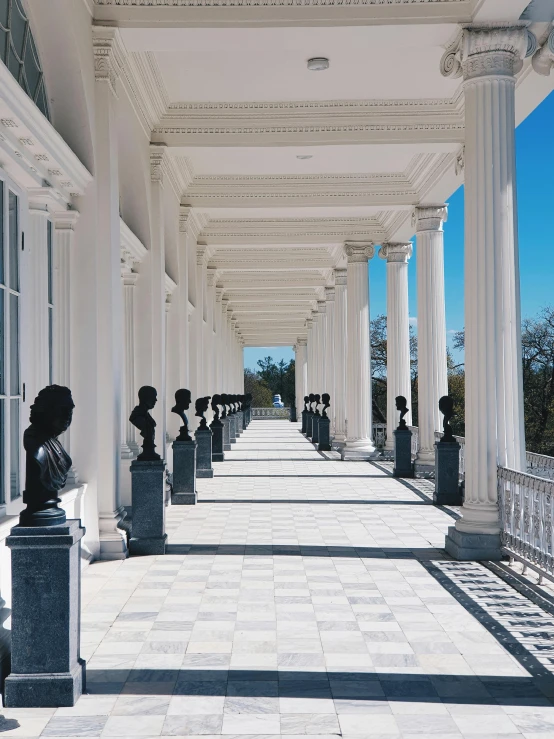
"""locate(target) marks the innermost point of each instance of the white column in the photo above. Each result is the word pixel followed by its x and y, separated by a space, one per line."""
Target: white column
pixel 218 349
pixel 330 352
pixel 310 356
pixel 301 370
pixel 210 369
pixel 109 304
pixel 322 336
pixel 64 237
pixel 359 443
pixel 36 243
pixel 200 334
pixel 340 349
pixel 494 417
pixel 129 446
pixel 398 333
pixel 432 379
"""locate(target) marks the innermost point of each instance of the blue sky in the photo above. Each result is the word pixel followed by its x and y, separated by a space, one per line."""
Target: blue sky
pixel 535 181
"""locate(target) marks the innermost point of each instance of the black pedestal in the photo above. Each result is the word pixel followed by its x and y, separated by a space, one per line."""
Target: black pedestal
pixel 403 466
pixel 324 427
pixel 217 441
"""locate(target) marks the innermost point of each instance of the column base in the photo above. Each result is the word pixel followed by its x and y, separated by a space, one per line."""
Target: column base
pixel 204 473
pixel 113 539
pixel 472 547
pixel 56 690
pixel 357 451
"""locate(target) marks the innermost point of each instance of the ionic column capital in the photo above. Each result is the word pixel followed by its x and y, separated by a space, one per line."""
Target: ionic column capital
pixel 109 54
pixel 158 164
pixel 340 277
pixel 65 220
pixel 309 323
pixel 201 254
pixel 219 294
pixel 543 59
pixel 488 50
pixel 396 252
pixel 429 217
pixel 359 251
pixel 302 341
pixel 211 274
pixel 330 294
pixel 321 307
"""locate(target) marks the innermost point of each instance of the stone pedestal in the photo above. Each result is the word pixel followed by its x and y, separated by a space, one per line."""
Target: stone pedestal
pixel 238 424
pixel 232 428
pixel 293 414
pixel 47 670
pixel 309 424
pixel 184 473
pixel 148 502
pixel 315 429
pixel 304 421
pixel 324 429
pixel 217 441
pixel 204 453
pixel 447 474
pixel 226 434
pixel 403 466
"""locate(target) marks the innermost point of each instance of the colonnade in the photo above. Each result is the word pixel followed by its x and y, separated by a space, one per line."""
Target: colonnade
pixel 488 59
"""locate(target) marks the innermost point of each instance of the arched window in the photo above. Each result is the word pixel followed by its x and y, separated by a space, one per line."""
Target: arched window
pixel 19 53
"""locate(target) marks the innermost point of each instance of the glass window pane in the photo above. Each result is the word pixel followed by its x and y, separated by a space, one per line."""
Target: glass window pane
pixel 18 25
pixel 13 63
pixel 3 44
pixel 2 455
pixel 4 5
pixel 50 262
pixel 15 443
pixel 32 69
pixel 13 228
pixel 14 344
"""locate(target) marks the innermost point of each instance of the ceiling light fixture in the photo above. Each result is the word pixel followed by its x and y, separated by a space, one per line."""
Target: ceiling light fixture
pixel 318 63
pixel 304 156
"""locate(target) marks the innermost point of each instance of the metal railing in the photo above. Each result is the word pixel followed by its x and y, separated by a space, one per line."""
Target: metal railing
pixel 267 413
pixel 527 512
pixel 415 440
pixel 379 435
pixel 540 465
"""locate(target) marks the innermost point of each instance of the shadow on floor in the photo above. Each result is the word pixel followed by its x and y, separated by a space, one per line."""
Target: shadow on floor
pixel 300 550
pixel 309 501
pixel 482 690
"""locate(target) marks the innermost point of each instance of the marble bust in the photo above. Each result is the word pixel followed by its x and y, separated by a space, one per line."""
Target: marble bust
pixel 183 399
pixel 216 402
pixel 141 418
pixel 317 402
pixel 326 400
pixel 306 401
pixel 446 407
pixel 47 462
pixel 401 405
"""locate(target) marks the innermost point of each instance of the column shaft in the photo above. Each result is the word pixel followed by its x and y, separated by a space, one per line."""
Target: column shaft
pixel 329 358
pixel 340 346
pixel 431 328
pixel 359 444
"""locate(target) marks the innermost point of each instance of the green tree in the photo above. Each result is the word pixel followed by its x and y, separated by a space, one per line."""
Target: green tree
pixel 261 394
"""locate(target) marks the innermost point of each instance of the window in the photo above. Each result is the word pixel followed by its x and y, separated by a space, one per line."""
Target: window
pixel 19 53
pixel 50 304
pixel 10 384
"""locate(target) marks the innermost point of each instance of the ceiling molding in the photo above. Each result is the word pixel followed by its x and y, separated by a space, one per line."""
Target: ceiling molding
pixel 146 89
pixel 243 13
pixel 317 122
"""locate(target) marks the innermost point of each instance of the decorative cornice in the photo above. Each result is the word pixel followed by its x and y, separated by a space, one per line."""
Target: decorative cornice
pixel 201 250
pixel 357 252
pixel 429 217
pixel 109 55
pixel 158 164
pixel 190 221
pixel 543 59
pixel 488 50
pixel 396 252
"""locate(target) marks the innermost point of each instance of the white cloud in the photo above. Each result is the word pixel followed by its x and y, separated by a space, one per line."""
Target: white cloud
pixel 413 320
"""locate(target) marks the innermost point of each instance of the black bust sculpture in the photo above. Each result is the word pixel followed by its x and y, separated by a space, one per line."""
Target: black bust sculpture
pixel 202 405
pixel 317 403
pixel 47 462
pixel 141 418
pixel 401 406
pixel 183 399
pixel 306 401
pixel 216 402
pixel 326 400
pixel 311 399
pixel 446 407
pixel 224 403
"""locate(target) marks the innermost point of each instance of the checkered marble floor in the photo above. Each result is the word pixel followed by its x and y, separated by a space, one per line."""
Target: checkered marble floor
pixel 304 596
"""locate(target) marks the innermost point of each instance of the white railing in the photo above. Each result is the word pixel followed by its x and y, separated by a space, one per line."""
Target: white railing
pixel 266 413
pixel 415 440
pixel 379 435
pixel 527 512
pixel 540 465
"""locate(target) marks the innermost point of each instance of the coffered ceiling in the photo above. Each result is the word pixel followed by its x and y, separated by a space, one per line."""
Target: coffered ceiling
pixel 284 164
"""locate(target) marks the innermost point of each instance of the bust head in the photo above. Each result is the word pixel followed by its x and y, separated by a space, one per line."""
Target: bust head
pixel 216 400
pixel 147 396
pixel 183 399
pixel 202 405
pixel 446 406
pixel 401 403
pixel 52 411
